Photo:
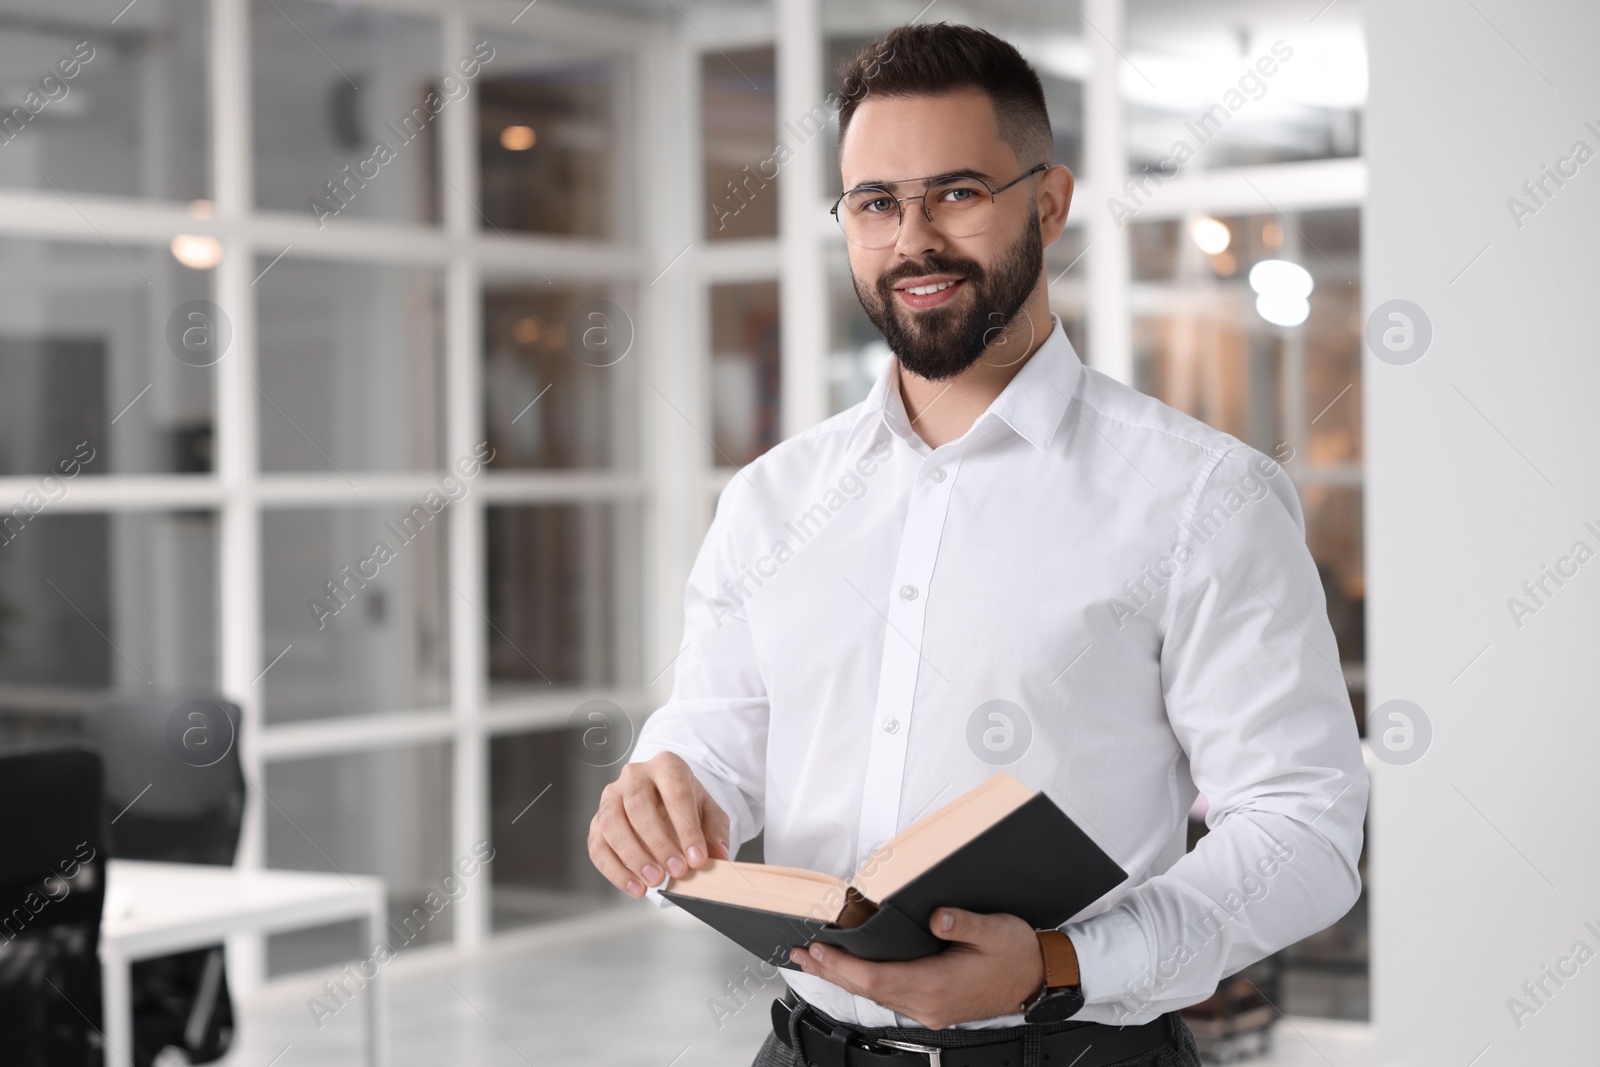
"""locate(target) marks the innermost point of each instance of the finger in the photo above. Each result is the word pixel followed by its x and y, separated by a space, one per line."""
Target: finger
pixel 678 790
pixel 967 926
pixel 819 959
pixel 714 822
pixel 648 817
pixel 617 829
pixel 616 872
pixel 876 981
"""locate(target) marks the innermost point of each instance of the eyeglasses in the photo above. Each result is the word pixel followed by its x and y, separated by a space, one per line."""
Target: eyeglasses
pixel 959 205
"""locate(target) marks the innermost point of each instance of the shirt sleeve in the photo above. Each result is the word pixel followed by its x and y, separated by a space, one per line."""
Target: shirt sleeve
pixel 1256 697
pixel 716 716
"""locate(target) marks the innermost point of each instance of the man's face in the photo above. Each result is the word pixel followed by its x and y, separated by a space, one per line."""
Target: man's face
pixel 940 335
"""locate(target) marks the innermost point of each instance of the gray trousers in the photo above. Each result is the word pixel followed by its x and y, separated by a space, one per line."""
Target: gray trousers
pixel 1179 1051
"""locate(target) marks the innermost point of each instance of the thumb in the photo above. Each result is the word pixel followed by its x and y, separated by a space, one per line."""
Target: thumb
pixel 955 924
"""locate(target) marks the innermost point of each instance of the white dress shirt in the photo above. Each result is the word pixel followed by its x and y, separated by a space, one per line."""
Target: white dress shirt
pixel 1104 597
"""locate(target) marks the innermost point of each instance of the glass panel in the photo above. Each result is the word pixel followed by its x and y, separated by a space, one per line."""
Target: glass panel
pixel 1212 88
pixel 1203 342
pixel 385 813
pixel 740 109
pixel 351 364
pixel 550 141
pixel 115 107
pixel 1333 533
pixel 89 601
pixel 1154 249
pixel 560 376
pixel 93 363
pixel 360 595
pixel 1333 336
pixel 563 597
pixel 746 375
pixel 344 104
pixel 1066 261
pixel 542 869
pixel 1210 362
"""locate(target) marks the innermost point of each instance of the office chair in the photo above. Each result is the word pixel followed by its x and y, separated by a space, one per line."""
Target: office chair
pixel 52 889
pixel 174 786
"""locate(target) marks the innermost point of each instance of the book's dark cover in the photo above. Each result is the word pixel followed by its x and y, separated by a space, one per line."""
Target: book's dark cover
pixel 1034 863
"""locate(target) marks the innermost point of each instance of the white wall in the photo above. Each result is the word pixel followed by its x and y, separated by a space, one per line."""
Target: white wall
pixel 1484 464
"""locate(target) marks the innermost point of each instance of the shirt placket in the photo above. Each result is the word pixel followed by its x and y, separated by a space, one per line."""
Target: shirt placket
pixel 902 662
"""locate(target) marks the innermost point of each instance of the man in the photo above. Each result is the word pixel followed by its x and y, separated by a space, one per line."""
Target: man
pixel 1001 558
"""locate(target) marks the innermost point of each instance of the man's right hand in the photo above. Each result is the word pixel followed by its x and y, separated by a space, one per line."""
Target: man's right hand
pixel 655 819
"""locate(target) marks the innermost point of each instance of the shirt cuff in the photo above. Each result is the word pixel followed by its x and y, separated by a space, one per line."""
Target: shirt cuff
pixel 1113 954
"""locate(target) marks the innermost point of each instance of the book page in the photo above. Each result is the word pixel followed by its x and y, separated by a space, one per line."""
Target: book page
pixel 785 890
pixel 936 835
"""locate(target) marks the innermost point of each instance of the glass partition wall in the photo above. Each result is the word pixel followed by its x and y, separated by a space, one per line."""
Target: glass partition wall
pixel 304 401
pixel 378 365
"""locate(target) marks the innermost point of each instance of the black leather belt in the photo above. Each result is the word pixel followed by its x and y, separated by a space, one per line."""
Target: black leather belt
pixel 826 1042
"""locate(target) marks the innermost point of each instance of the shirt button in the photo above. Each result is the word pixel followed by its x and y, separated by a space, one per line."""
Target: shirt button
pixel 891 725
pixel 937 474
pixel 908 592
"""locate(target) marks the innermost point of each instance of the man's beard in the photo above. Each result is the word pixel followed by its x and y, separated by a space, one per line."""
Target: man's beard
pixel 945 341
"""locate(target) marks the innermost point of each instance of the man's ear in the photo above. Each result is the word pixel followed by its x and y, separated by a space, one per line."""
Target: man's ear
pixel 1055 200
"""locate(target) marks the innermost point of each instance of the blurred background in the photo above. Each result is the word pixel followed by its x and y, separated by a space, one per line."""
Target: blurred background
pixel 564 303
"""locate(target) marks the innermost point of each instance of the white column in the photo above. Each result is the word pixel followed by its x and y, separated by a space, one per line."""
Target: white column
pixel 239 554
pixel 468 601
pixel 1481 474
pixel 672 346
pixel 802 278
pixel 1106 162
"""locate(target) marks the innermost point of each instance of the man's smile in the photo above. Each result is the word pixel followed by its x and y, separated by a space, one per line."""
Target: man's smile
pixel 929 290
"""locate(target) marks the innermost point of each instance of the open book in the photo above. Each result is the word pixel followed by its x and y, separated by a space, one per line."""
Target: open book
pixel 999 847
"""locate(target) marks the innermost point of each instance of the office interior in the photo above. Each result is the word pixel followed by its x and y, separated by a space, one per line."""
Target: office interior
pixel 260 346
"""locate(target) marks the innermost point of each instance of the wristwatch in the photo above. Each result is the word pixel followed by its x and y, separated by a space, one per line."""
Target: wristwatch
pixel 1061 995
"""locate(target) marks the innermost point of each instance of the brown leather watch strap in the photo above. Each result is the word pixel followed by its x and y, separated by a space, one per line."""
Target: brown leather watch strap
pixel 1060 959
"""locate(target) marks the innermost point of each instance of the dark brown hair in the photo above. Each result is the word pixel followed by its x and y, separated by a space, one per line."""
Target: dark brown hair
pixel 941 58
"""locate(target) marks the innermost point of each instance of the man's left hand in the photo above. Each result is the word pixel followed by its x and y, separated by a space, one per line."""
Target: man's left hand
pixel 993 964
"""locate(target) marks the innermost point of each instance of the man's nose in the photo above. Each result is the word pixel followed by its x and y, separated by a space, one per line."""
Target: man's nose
pixel 917 235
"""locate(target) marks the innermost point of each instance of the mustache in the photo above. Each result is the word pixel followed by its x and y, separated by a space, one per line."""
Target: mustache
pixel 967 268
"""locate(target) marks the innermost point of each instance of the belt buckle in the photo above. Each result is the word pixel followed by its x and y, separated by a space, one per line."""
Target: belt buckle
pixel 931 1051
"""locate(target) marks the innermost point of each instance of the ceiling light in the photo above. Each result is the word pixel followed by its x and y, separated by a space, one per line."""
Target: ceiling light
pixel 526 330
pixel 1281 288
pixel 1211 235
pixel 195 252
pixel 517 138
pixel 1283 310
pixel 1279 276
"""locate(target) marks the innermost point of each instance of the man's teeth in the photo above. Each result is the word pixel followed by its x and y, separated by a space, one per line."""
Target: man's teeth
pixel 924 290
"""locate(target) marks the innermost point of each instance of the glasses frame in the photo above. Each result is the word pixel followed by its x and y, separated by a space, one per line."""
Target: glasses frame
pixel 899 201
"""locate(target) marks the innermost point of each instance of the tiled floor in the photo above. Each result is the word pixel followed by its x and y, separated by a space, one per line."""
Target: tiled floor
pixel 638 996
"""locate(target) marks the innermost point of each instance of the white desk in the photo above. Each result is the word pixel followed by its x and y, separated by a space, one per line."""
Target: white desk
pixel 155 909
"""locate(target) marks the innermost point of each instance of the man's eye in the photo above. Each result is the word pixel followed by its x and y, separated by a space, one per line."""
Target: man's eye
pixel 958 194
pixel 876 205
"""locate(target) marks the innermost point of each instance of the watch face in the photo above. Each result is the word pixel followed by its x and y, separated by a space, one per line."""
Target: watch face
pixel 1056 1005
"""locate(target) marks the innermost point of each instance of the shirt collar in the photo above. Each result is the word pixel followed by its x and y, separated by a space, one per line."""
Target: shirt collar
pixel 1032 403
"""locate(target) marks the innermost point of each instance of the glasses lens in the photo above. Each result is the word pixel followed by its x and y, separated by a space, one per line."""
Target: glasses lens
pixel 870 217
pixel 960 208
